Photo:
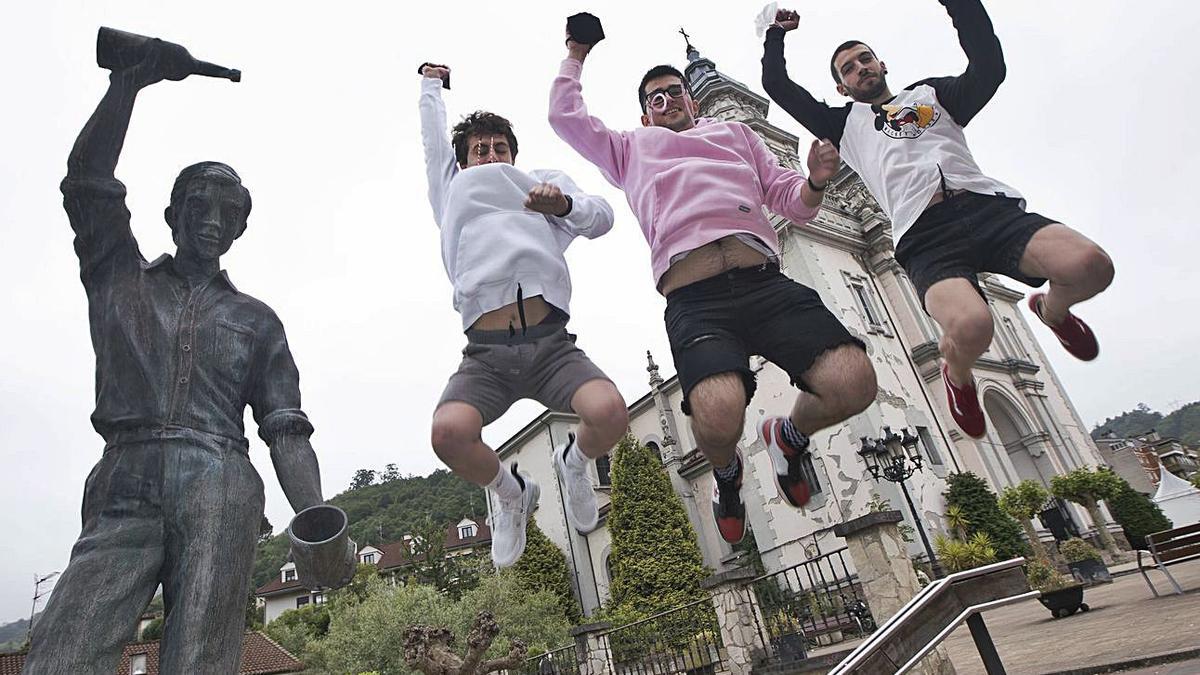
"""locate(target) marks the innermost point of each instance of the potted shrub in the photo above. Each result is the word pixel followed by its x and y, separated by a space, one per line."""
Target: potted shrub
pixel 1086 563
pixel 1059 595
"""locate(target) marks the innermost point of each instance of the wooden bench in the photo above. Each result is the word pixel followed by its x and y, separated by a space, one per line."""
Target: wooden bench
pixel 1169 547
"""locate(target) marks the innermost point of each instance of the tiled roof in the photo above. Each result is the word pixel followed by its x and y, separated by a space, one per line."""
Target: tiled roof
pixel 395 553
pixel 278 585
pixel 260 656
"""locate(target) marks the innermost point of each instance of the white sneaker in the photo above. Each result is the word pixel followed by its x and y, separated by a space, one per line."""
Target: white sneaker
pixel 508 523
pixel 582 512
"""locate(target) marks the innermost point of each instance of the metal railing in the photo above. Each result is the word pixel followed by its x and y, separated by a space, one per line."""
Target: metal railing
pixel 930 597
pixel 686 639
pixel 561 661
pixel 816 601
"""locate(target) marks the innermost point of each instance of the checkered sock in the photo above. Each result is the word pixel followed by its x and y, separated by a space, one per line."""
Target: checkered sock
pixel 793 436
pixel 729 473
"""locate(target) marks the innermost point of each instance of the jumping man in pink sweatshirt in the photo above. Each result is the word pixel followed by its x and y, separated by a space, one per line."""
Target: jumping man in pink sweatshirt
pixel 698 187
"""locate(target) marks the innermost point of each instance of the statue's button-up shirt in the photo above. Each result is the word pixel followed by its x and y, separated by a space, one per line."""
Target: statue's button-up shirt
pixel 174 360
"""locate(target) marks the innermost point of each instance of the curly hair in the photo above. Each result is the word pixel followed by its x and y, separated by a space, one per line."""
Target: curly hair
pixel 480 122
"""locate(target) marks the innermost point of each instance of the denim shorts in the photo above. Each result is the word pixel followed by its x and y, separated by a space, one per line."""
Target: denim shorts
pixel 715 324
pixel 967 234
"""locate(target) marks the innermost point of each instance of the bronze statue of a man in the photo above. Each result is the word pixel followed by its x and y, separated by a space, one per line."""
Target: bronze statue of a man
pixel 179 353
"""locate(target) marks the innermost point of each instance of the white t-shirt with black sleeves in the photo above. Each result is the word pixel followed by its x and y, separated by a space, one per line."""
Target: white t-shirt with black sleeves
pixel 905 148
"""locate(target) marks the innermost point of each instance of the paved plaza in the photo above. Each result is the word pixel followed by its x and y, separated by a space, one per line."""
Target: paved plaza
pixel 1125 622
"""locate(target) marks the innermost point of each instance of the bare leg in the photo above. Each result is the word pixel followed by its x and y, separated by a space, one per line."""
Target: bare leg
pixel 1076 267
pixel 843 384
pixel 457 442
pixel 966 325
pixel 718 412
pixel 603 417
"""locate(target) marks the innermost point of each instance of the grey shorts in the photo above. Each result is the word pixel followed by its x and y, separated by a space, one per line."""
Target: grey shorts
pixel 498 369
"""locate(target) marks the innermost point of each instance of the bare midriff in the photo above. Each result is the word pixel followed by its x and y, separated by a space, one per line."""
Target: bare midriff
pixel 536 309
pixel 709 260
pixel 940 196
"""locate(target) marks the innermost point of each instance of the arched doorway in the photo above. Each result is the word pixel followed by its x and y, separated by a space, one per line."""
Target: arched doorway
pixel 1026 450
pixel 1015 434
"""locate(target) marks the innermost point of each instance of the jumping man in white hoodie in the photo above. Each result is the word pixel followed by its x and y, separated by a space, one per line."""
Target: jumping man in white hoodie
pixel 504 232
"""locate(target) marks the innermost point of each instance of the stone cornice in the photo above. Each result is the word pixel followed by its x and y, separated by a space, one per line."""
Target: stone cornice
pixel 927 352
pixel 693 464
pixel 727 577
pixel 998 291
pixel 870 520
pixel 529 431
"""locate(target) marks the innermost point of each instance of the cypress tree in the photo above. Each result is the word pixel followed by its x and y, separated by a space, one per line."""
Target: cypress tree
pixel 1137 515
pixel 656 563
pixel 978 503
pixel 544 567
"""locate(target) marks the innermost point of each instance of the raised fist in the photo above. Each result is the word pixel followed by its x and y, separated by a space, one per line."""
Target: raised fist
pixel 577 50
pixel 436 71
pixel 787 19
pixel 162 61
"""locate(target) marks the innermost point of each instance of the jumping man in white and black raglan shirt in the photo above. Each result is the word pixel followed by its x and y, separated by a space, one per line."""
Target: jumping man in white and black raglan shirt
pixel 950 220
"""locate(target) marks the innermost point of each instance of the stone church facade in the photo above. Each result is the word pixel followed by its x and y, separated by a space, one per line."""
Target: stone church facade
pixel 846 255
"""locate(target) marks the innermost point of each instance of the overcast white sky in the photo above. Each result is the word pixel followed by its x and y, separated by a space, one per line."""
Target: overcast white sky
pixel 1096 124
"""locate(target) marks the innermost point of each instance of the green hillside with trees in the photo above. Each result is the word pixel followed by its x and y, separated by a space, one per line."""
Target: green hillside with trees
pixel 384 506
pixel 1183 423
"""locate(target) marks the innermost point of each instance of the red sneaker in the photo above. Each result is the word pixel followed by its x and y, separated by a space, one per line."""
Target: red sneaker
pixel 964 406
pixel 788 462
pixel 1073 333
pixel 728 508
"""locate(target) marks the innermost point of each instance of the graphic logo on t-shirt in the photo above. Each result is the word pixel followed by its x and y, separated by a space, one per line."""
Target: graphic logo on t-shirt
pixel 904 121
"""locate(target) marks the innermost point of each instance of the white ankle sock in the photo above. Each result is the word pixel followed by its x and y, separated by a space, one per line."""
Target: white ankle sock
pixel 575 459
pixel 505 485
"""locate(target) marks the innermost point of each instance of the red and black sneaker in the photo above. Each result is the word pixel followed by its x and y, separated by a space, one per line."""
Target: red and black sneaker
pixel 728 508
pixel 787 460
pixel 964 406
pixel 1073 333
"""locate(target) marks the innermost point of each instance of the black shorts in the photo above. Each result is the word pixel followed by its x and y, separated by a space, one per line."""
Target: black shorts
pixel 714 325
pixel 967 234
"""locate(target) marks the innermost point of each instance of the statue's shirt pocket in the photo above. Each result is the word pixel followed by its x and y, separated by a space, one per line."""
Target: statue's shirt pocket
pixel 233 344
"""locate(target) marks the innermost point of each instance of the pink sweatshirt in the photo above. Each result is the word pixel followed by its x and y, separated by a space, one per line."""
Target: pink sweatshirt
pixel 686 188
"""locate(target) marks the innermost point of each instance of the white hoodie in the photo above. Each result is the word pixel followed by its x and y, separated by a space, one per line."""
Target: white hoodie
pixel 491 244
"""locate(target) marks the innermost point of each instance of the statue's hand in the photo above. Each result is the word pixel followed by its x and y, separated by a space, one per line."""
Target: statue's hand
pixel 163 61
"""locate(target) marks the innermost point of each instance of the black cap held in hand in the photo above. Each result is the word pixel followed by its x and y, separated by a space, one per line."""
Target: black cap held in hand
pixel 585 28
pixel 445 80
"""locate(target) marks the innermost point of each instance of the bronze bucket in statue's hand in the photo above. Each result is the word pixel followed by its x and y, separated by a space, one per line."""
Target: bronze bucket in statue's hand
pixel 321 547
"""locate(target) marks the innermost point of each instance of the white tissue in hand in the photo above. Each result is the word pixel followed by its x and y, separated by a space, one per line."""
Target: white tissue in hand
pixel 765 18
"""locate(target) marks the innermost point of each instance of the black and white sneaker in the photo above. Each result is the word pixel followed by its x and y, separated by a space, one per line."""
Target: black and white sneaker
pixel 728 508
pixel 582 512
pixel 509 519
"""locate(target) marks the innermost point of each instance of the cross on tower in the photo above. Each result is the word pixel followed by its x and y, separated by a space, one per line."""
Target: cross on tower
pixel 685 39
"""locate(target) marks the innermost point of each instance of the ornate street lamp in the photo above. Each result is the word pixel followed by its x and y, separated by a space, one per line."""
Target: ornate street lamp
pixel 895 458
